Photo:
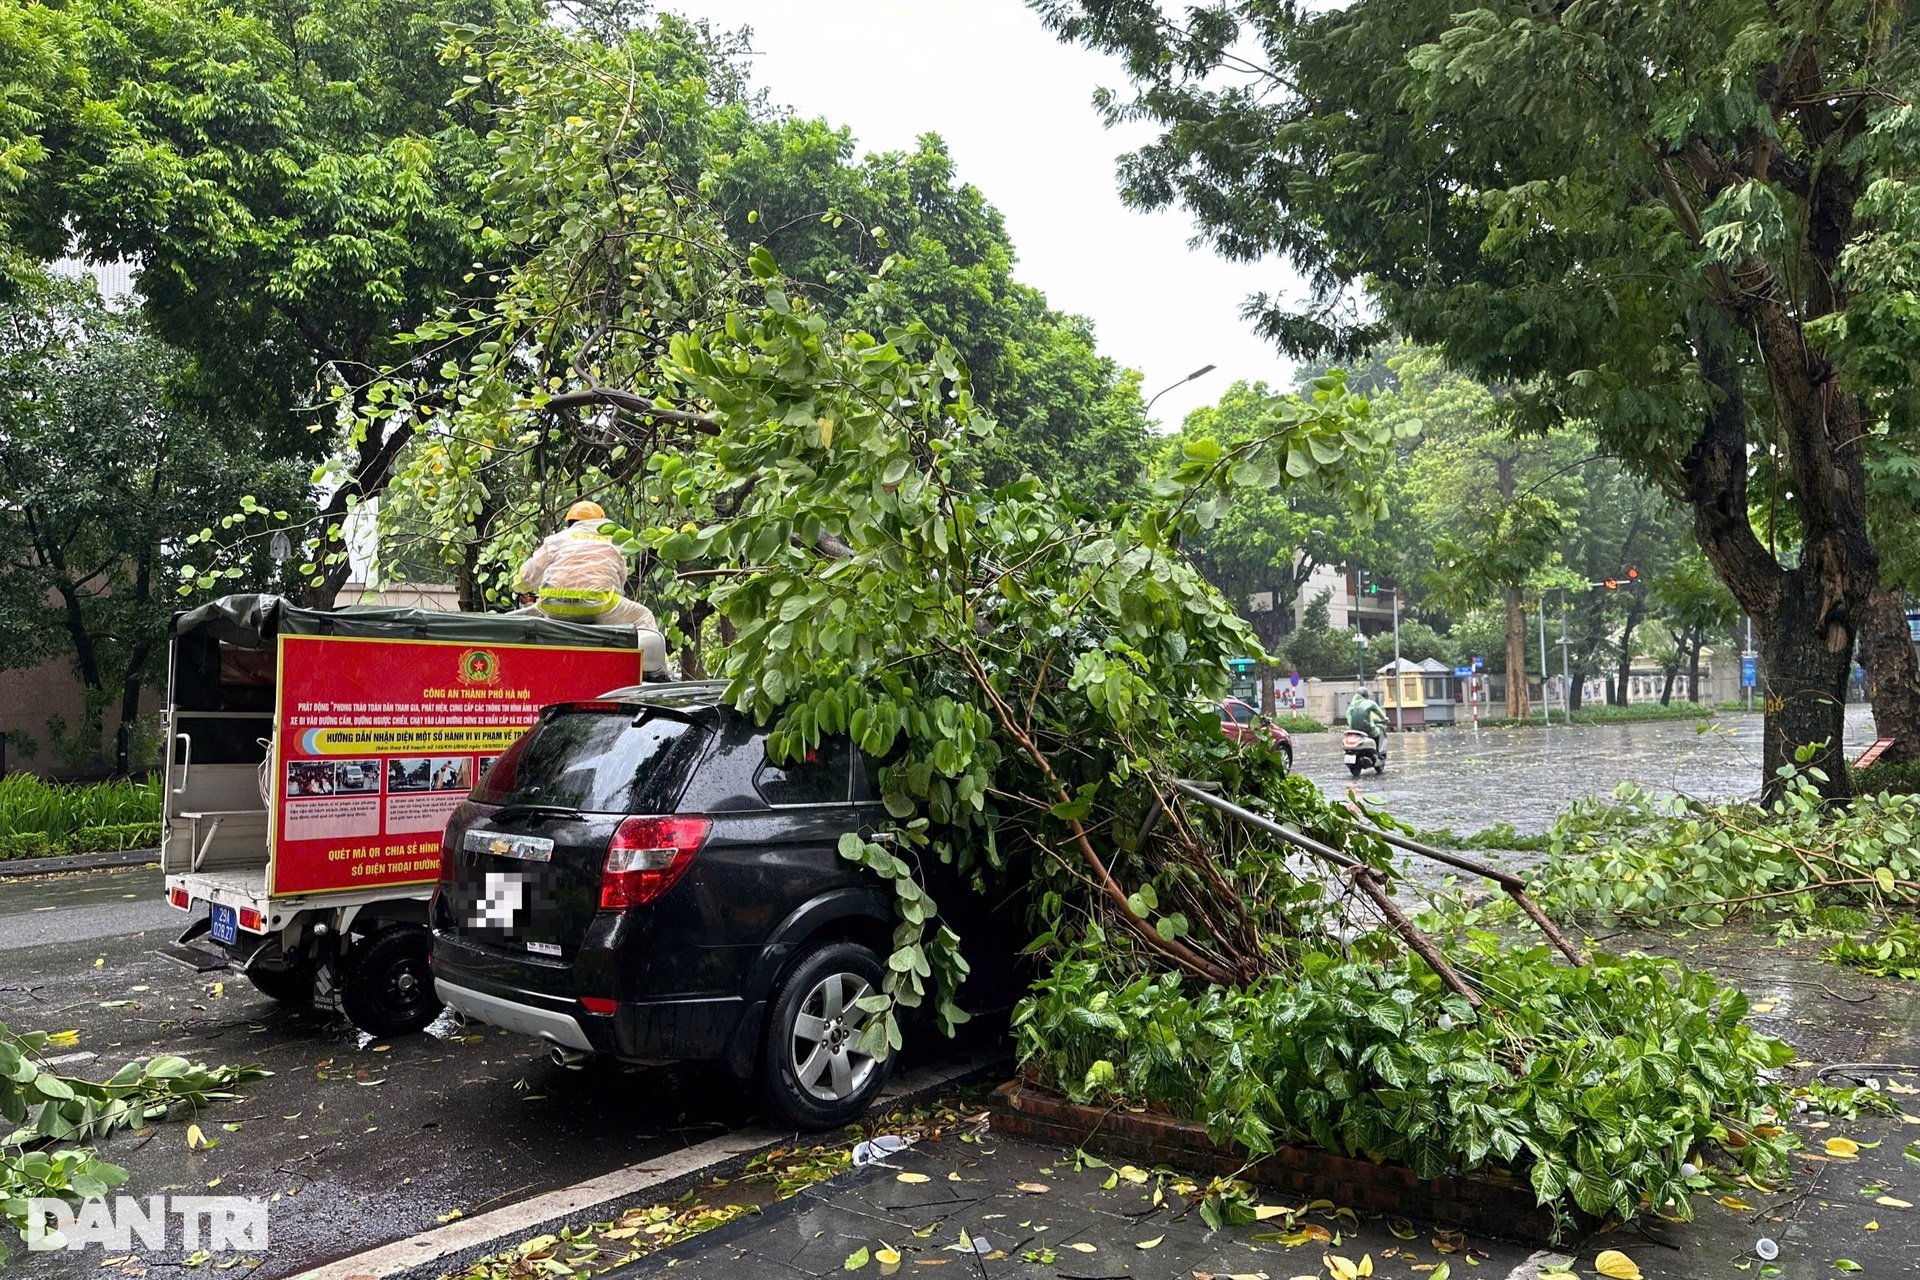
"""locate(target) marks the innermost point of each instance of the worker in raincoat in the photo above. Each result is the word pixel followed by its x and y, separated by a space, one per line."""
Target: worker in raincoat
pixel 579 574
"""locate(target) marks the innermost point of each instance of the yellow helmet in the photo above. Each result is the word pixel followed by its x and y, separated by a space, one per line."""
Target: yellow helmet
pixel 585 510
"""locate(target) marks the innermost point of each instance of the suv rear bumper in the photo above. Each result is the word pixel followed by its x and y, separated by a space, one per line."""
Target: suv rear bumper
pixel 722 1028
pixel 528 1020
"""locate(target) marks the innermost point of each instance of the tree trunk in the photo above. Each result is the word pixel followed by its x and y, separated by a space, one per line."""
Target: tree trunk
pixel 1668 674
pixel 1636 606
pixel 1893 680
pixel 1804 679
pixel 1693 667
pixel 1576 688
pixel 1805 642
pixel 1517 702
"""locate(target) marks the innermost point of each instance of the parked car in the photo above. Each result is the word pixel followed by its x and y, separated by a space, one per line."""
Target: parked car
pixel 1241 721
pixel 634 878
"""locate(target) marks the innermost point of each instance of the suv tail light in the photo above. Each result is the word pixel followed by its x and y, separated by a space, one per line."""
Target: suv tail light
pixel 646 857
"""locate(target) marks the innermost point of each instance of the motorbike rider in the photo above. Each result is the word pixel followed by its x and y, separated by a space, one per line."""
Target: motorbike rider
pixel 1370 718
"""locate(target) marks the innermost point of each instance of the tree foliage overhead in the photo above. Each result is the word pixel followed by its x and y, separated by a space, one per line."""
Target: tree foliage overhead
pixel 105 460
pixel 1682 222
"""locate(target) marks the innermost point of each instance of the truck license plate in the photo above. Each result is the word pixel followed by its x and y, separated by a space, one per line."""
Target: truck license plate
pixel 226 924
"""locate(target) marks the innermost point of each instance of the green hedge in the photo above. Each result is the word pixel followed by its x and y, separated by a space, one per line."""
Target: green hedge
pixel 1294 722
pixel 33 806
pixel 40 844
pixel 1895 779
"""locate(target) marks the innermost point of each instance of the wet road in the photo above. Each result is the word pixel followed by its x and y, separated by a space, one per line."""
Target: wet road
pixel 356 1141
pixel 1469 781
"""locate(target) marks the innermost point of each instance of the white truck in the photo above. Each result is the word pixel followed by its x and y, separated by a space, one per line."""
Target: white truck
pixel 315 758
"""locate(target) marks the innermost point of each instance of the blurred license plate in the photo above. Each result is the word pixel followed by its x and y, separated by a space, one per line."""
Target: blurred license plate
pixel 226 924
pixel 1352 758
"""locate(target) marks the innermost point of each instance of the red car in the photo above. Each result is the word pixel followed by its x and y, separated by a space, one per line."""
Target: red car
pixel 1241 720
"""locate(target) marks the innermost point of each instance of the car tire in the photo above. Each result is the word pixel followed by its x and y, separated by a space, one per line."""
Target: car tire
pixel 389 987
pixel 1286 753
pixel 810 1071
pixel 292 986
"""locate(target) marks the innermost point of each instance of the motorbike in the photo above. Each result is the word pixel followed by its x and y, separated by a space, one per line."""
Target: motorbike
pixel 1360 752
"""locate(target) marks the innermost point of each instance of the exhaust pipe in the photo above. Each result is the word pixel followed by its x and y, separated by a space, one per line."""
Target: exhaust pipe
pixel 571 1059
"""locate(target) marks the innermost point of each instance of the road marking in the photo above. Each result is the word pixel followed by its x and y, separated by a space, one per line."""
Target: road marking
pixel 1541 1261
pixel 498 1228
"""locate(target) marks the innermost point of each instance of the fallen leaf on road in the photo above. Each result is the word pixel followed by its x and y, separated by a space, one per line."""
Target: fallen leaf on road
pixel 1873 1226
pixel 1261 1212
pixel 1133 1173
pixel 1081 1246
pixel 1616 1265
pixel 444 1218
pixel 857 1259
pixel 1893 1202
pixel 1845 1148
pixel 1150 1244
pixel 1845 1264
pixel 911 1177
pixel 1033 1188
pixel 198 1140
pixel 1735 1203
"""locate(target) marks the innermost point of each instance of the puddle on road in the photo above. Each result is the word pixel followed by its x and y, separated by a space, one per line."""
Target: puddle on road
pixel 1469 781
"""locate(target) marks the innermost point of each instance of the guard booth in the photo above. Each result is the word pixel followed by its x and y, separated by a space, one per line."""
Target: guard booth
pixel 1404 696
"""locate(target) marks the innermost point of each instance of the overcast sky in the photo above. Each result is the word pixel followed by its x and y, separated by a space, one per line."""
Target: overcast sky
pixel 1015 108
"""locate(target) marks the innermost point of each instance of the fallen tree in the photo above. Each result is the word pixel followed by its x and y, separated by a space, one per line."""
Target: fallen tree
pixel 1036 674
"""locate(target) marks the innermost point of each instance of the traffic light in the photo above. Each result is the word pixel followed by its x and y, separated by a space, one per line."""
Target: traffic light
pixel 1633 577
pixel 1612 584
pixel 1363 583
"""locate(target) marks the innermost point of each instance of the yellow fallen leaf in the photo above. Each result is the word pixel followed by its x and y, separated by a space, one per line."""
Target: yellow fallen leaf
pixel 1845 1148
pixel 62 1039
pixel 887 1256
pixel 1033 1188
pixel 1150 1244
pixel 1735 1203
pixel 1261 1212
pixel 1081 1246
pixel 1873 1226
pixel 1893 1202
pixel 1894 1086
pixel 1616 1265
pixel 1133 1173
pixel 1342 1268
pixel 911 1177
pixel 196 1139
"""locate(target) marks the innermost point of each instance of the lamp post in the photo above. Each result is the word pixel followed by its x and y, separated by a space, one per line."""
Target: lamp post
pixel 1201 372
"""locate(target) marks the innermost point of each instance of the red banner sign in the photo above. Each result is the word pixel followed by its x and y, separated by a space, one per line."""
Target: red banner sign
pixel 378 741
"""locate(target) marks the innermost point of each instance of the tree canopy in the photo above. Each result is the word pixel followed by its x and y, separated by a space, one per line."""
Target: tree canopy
pixel 1681 223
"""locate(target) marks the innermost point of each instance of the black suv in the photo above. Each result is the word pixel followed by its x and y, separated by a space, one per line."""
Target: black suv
pixel 634 878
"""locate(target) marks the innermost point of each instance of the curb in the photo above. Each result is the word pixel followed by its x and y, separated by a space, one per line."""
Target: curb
pixel 21 868
pixel 447 1249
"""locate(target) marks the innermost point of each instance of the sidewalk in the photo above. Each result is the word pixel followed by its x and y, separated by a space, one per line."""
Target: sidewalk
pixel 998 1207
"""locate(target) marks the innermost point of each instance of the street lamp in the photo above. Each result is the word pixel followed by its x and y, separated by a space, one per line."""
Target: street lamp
pixel 1201 372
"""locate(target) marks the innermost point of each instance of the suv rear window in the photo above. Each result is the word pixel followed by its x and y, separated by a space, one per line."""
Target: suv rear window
pixel 598 761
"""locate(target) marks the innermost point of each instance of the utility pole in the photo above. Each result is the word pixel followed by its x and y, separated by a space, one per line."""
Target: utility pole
pixel 1546 706
pixel 1566 677
pixel 1399 685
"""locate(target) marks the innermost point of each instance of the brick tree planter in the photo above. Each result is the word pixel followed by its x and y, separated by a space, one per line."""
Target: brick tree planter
pixel 1484 1203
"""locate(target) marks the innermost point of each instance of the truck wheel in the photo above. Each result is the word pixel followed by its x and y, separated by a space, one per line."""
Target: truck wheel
pixel 389 988
pixel 812 1071
pixel 290 986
